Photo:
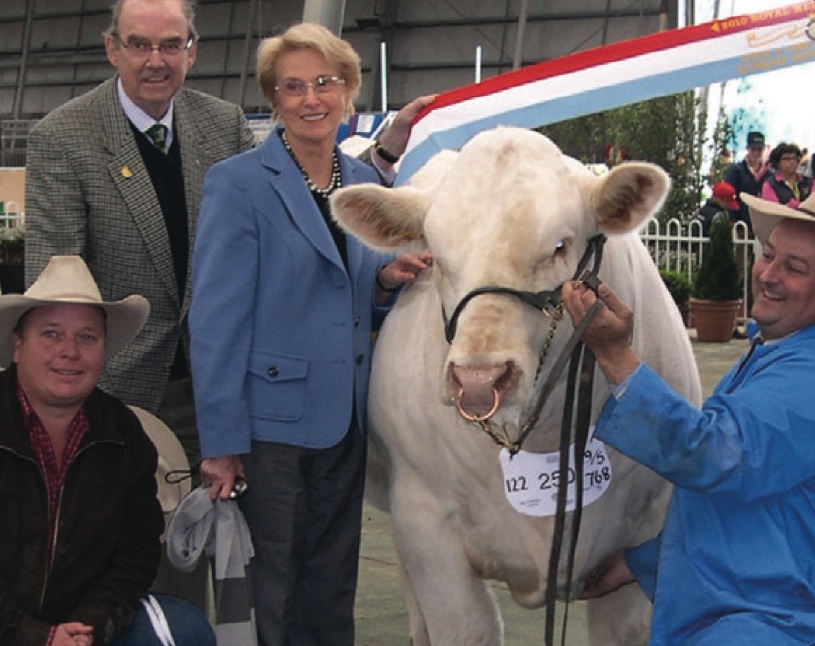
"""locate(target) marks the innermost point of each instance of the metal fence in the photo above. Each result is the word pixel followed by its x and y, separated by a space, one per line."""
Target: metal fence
pixel 680 247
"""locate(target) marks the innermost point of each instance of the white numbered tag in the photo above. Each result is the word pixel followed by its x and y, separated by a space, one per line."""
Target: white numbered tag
pixel 531 480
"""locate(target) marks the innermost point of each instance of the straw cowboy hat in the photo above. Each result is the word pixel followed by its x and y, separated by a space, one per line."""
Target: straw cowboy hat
pixel 765 214
pixel 67 279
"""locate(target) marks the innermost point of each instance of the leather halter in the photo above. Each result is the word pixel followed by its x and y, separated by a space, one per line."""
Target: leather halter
pixel 546 300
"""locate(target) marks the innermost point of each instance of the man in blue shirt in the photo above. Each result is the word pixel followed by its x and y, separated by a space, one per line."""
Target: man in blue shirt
pixel 734 562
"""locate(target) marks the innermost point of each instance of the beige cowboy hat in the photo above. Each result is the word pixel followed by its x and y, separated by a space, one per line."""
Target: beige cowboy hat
pixel 172 461
pixel 67 279
pixel 765 214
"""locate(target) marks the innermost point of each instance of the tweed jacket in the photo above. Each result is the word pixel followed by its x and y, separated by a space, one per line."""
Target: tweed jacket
pixel 88 193
pixel 281 332
pixel 107 545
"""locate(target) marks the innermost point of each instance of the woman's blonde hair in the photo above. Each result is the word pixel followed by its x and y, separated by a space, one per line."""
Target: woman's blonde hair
pixel 308 36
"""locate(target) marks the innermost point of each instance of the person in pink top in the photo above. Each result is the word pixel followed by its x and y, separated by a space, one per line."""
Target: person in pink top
pixel 785 184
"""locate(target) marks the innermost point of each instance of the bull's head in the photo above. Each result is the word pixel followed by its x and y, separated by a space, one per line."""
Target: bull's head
pixel 509 210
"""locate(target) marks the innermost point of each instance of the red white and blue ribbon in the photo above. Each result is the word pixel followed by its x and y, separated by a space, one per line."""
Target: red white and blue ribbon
pixel 618 74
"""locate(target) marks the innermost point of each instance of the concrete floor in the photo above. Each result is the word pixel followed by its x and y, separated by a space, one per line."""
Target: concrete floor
pixel 380 610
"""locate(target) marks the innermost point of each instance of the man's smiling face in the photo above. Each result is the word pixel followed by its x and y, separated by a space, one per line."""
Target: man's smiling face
pixel 784 280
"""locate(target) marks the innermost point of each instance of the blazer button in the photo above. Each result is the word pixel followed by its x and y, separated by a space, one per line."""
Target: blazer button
pixel 168 367
pixel 360 358
pixel 273 371
pixel 357 321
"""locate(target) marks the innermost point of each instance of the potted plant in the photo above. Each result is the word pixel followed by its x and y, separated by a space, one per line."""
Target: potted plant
pixel 716 293
pixel 679 286
pixel 12 254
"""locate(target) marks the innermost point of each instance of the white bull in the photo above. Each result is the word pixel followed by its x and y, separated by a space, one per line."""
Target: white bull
pixel 511 210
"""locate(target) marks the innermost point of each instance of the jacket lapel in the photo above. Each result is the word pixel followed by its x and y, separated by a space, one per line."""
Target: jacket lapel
pixel 288 184
pixel 130 176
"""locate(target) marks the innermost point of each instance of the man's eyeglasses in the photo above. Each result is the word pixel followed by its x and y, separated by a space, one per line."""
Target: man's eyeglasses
pixel 321 85
pixel 143 48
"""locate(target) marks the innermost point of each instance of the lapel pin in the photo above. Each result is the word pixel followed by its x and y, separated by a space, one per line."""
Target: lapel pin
pixel 126 172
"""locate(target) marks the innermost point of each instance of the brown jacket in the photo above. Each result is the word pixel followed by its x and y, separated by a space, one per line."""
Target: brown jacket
pixel 108 526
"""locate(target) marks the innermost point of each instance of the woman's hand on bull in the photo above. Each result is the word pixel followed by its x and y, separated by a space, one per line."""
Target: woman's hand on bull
pixel 395 138
pixel 609 334
pixel 219 475
pixel 404 269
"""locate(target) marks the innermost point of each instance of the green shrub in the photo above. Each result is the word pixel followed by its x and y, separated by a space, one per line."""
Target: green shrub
pixel 718 276
pixel 678 285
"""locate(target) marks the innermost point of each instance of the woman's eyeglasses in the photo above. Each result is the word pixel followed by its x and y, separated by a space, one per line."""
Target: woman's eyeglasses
pixel 321 85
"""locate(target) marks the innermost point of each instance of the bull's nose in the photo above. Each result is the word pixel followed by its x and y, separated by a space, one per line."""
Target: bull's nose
pixel 480 389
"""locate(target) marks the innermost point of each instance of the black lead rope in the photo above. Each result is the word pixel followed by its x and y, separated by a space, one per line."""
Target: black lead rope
pixel 583 409
pixel 584 387
pixel 562 492
pixel 581 439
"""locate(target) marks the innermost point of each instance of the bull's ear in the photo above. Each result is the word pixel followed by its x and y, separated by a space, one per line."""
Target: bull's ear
pixel 385 219
pixel 630 194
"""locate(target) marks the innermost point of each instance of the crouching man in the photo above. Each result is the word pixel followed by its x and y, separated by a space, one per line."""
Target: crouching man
pixel 80 517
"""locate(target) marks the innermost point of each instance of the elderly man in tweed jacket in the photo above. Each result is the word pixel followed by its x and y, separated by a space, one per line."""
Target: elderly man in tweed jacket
pixel 101 185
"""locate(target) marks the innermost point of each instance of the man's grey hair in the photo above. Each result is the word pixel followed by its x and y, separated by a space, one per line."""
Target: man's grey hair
pixel 187 6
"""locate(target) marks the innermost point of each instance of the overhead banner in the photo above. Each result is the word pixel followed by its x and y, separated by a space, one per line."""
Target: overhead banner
pixel 614 75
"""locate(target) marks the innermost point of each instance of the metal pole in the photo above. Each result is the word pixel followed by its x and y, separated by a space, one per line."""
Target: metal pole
pixel 328 13
pixel 247 52
pixel 21 75
pixel 516 62
pixel 383 71
pixel 478 64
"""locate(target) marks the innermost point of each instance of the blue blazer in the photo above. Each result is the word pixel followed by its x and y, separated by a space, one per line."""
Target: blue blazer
pixel 280 332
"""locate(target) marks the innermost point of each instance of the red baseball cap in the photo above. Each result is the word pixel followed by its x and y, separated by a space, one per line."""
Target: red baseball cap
pixel 727 194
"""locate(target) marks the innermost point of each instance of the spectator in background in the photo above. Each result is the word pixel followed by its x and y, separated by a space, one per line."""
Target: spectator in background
pixel 717 206
pixel 747 175
pixel 784 184
pixel 100 186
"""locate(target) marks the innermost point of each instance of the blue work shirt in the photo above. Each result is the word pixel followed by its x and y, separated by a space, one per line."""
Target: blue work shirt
pixel 735 561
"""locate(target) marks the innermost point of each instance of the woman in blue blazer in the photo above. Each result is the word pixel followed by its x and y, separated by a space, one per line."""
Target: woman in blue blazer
pixel 283 305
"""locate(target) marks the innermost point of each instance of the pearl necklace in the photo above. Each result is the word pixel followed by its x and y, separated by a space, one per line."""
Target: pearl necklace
pixel 336 177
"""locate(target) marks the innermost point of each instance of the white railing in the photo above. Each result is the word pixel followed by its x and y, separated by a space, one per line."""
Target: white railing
pixel 680 247
pixel 10 214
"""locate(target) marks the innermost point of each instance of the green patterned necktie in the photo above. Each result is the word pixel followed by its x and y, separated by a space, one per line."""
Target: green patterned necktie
pixel 158 135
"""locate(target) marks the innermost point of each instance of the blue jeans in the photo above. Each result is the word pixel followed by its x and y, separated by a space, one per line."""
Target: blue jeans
pixel 188 625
